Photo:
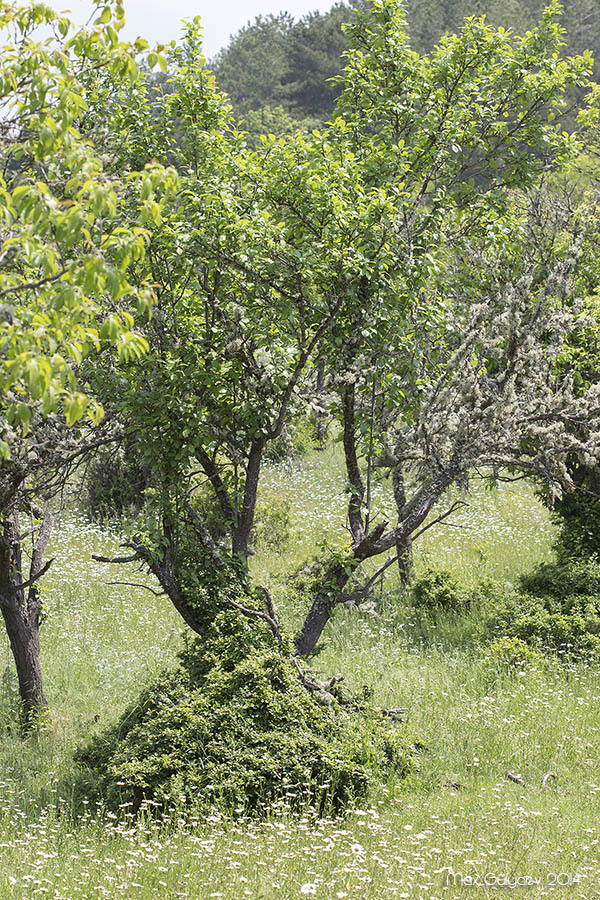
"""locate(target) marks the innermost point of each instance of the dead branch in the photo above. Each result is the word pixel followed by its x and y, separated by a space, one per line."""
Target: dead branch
pixel 367 588
pixel 456 505
pixel 15 588
pixel 270 616
pixel 137 584
pixel 115 559
pixel 396 714
pixel 516 778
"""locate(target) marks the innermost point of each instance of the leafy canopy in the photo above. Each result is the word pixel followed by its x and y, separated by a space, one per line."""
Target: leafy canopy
pixel 64 248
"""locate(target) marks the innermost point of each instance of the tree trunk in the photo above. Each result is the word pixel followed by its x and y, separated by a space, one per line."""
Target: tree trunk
pixel 20 604
pixel 355 482
pixel 23 634
pixel 403 544
pixel 322 427
pixel 312 629
pixel 413 514
pixel 405 560
pixel 240 538
pixel 320 612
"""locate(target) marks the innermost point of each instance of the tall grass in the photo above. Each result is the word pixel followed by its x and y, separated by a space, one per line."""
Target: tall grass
pixel 459 816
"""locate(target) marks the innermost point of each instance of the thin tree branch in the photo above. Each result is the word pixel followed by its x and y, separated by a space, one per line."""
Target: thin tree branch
pixel 138 584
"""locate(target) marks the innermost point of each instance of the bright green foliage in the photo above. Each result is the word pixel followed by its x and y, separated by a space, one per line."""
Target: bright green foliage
pixel 511 654
pixel 556 608
pixel 342 247
pixel 476 107
pixel 275 61
pixel 438 594
pixel 272 120
pixel 64 249
pixel 233 727
pixel 430 19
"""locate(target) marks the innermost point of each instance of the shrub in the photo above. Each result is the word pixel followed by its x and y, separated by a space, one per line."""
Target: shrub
pixel 114 484
pixel 511 654
pixel 272 522
pixel 557 607
pixel 563 580
pixel 295 441
pixel 438 593
pixel 233 726
pixel 205 503
pixel 578 518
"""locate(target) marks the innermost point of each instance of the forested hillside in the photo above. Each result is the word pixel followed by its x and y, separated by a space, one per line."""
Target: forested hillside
pixel 277 70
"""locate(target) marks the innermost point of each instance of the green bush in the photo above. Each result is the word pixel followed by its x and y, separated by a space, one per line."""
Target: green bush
pixel 438 593
pixel 114 484
pixel 233 727
pixel 295 441
pixel 205 503
pixel 578 518
pixel 272 528
pixel 557 607
pixel 511 654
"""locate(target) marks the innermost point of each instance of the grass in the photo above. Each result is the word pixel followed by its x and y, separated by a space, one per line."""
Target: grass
pixel 459 817
pixel 496 534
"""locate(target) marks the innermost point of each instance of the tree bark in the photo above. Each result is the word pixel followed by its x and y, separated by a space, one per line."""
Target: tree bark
pixel 20 604
pixel 321 417
pixel 357 488
pixel 241 533
pixel 321 610
pixel 404 544
pixel 378 541
pixel 405 561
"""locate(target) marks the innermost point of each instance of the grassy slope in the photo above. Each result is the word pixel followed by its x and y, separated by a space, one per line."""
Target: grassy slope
pixel 100 641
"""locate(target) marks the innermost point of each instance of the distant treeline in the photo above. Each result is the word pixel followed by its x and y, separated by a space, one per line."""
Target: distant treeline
pixel 276 70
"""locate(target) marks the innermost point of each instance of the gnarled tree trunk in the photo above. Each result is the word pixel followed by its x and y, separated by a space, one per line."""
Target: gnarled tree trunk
pixel 331 593
pixel 321 609
pixel 404 544
pixel 20 604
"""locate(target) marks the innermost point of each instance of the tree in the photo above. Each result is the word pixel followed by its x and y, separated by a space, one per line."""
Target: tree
pixel 429 21
pixel 253 68
pixel 277 62
pixel 359 247
pixel 489 401
pixel 456 134
pixel 64 259
pixel 316 44
pixel 576 512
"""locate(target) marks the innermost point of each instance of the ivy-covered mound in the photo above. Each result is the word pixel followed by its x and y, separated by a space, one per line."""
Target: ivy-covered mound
pixel 233 726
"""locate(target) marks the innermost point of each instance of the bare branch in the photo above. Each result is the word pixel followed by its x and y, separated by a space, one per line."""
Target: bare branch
pixel 137 584
pixel 32 285
pixel 116 559
pixel 14 589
